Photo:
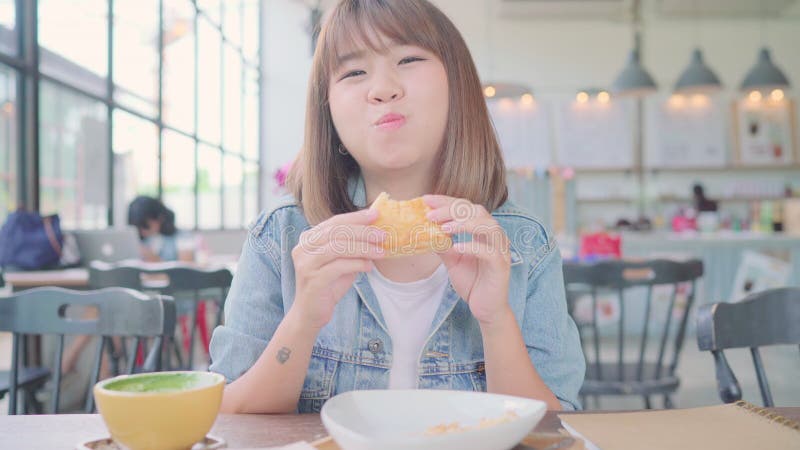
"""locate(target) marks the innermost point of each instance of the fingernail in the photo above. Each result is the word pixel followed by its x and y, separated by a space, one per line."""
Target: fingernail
pixel 448 227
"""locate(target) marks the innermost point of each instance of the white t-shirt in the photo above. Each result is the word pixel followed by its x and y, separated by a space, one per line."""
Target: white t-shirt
pixel 408 309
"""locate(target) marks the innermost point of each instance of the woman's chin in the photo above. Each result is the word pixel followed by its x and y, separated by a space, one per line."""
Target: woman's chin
pixel 394 165
pixel 392 159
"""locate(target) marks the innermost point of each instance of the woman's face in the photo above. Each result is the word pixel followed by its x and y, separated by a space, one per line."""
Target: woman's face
pixel 390 110
pixel 153 228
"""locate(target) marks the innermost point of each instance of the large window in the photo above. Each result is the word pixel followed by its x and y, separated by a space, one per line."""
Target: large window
pixel 8 19
pixel 135 144
pixel 144 97
pixel 209 187
pixel 209 99
pixel 9 144
pixel 73 37
pixel 73 157
pixel 178 61
pixel 136 55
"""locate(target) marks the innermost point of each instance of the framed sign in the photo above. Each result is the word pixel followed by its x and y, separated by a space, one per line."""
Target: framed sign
pixel 687 132
pixel 765 132
pixel 592 135
pixel 523 131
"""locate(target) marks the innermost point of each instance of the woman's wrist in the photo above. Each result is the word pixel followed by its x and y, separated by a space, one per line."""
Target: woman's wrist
pixel 298 321
pixel 499 323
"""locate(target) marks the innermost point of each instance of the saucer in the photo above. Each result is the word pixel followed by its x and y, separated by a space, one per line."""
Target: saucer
pixel 106 443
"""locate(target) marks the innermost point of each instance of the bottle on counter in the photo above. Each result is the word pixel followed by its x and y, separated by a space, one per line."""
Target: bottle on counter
pixel 736 224
pixel 766 217
pixel 755 217
pixel 777 217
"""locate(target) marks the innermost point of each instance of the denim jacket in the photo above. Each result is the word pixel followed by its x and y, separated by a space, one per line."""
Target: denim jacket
pixel 354 351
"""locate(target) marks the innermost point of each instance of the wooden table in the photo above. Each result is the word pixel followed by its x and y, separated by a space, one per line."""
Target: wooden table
pixel 63 432
pixel 77 278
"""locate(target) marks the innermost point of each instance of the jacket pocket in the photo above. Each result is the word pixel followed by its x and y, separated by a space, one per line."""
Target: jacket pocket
pixel 478 377
pixel 318 385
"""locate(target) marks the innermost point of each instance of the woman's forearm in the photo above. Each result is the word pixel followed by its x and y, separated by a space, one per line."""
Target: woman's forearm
pixel 274 382
pixel 508 366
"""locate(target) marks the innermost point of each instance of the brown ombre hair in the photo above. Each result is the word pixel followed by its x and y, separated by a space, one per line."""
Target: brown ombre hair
pixel 469 163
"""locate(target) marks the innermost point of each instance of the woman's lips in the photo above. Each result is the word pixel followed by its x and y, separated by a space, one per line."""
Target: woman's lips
pixel 391 122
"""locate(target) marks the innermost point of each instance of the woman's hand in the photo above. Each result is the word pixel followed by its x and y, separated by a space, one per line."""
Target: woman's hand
pixel 327 260
pixel 480 269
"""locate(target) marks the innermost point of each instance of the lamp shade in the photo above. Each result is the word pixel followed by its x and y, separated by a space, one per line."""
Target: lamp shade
pixel 634 79
pixel 698 77
pixel 764 75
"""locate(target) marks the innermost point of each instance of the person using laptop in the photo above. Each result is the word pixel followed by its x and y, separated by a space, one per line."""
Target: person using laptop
pixel 161 240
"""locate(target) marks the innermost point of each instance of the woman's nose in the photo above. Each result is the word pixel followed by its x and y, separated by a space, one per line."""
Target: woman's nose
pixel 384 90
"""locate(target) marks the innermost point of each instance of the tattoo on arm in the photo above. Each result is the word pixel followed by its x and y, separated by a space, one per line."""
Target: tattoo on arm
pixel 283 354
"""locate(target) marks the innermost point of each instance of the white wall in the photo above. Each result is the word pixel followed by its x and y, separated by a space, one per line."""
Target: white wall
pixel 287 61
pixel 554 57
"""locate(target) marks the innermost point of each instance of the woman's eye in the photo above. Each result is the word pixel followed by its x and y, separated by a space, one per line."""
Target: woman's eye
pixel 353 73
pixel 410 59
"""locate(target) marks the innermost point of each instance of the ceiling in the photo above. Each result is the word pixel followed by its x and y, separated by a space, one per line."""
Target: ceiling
pixel 725 8
pixel 622 9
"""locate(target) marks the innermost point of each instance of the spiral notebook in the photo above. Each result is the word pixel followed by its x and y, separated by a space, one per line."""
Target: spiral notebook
pixel 725 427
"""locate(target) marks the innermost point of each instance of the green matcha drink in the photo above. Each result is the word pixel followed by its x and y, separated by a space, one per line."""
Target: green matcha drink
pixel 171 382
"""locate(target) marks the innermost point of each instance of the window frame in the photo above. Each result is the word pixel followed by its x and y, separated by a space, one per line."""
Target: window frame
pixel 26 66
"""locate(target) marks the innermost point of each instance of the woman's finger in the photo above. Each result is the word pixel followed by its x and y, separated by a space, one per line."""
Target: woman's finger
pixel 311 257
pixel 445 209
pixel 318 237
pixel 484 229
pixel 335 269
pixel 482 250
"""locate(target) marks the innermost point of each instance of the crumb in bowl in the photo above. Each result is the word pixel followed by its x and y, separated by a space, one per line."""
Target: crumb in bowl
pixel 455 427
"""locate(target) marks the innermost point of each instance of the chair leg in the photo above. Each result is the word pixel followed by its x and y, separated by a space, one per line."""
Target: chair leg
pixel 584 402
pixel 166 363
pixel 176 348
pixel 30 405
pixel 202 325
pixel 183 321
pixel 647 404
pixel 668 402
pixel 33 403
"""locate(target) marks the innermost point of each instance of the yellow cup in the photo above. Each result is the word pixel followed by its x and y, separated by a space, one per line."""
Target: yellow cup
pixel 160 411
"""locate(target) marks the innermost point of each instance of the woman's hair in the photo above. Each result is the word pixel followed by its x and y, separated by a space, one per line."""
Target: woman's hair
pixel 145 208
pixel 469 162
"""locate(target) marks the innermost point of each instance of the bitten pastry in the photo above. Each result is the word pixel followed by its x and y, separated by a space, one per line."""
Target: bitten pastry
pixel 409 231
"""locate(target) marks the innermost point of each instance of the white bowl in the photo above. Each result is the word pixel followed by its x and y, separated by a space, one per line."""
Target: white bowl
pixel 402 419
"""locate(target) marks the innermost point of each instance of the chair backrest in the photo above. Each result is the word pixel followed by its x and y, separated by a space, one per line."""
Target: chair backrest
pixel 173 278
pixel 762 319
pixel 186 278
pixel 176 276
pixel 104 275
pixel 617 277
pixel 120 313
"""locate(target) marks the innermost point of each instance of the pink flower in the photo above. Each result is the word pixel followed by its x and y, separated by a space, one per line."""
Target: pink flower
pixel 281 175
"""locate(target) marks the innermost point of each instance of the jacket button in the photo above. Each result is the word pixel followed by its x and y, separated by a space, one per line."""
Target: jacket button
pixel 375 345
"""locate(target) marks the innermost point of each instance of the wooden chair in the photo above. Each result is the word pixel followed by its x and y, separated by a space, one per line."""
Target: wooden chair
pixel 188 285
pixel 653 372
pixel 762 319
pixel 44 311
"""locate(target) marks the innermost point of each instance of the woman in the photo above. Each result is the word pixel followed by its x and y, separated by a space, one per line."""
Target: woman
pixel 161 240
pixel 395 105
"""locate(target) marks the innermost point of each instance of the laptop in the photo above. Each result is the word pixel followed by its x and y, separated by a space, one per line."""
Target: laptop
pixel 110 245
